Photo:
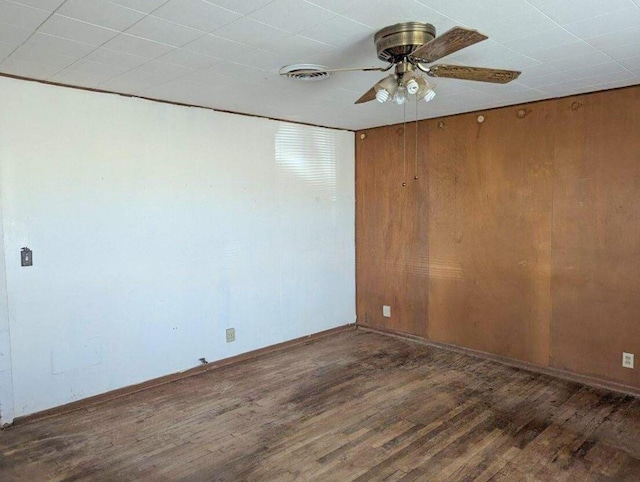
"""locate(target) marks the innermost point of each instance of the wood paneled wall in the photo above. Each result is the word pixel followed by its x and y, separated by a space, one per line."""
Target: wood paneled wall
pixel 520 236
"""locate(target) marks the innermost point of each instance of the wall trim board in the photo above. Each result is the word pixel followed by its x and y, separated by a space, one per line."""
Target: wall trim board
pixel 174 377
pixel 170 102
pixel 512 362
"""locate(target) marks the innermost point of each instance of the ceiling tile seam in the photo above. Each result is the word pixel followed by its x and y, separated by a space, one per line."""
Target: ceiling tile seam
pixel 239 13
pixel 34 31
pixel 139 11
pixel 80 21
pixel 233 11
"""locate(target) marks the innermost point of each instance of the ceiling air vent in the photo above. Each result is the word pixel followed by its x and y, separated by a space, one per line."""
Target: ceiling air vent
pixel 306 72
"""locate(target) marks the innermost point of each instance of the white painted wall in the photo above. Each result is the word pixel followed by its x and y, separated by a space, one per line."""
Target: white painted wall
pixel 6 384
pixel 154 228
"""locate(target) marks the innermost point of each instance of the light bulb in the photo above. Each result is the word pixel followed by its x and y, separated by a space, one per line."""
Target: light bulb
pixel 401 95
pixel 430 94
pixel 386 88
pixel 412 86
pixel 382 95
pixel 427 91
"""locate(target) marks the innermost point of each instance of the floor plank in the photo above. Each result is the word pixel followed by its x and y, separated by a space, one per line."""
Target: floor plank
pixel 353 406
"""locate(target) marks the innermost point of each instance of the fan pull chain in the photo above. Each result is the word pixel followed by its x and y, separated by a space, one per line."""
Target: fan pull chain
pixel 404 144
pixel 415 171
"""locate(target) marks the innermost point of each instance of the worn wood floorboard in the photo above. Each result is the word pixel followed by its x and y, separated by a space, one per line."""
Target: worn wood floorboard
pixel 352 406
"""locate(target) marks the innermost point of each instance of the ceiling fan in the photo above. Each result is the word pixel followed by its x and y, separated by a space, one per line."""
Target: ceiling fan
pixel 410 47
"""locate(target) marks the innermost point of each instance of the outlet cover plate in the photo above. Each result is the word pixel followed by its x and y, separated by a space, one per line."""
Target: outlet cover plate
pixel 627 360
pixel 386 311
pixel 231 335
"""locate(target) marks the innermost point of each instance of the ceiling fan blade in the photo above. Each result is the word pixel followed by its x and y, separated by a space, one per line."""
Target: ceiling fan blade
pixel 449 42
pixel 480 74
pixel 369 95
pixel 288 72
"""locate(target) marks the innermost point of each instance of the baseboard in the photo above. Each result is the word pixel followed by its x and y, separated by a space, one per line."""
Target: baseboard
pixel 553 372
pixel 156 382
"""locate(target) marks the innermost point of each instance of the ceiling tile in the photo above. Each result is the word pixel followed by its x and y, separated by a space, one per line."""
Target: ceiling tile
pixel 622 52
pixel 569 50
pixel 387 12
pixel 30 70
pixel 564 88
pixel 21 16
pixel 250 32
pixel 580 61
pixel 196 14
pixel 137 46
pixel 116 58
pixel 478 14
pixel 101 12
pixel 222 48
pixel 87 74
pixel 165 69
pixel 565 12
pixel 160 30
pixel 339 32
pixel 525 24
pixel 607 23
pixel 585 72
pixel 291 15
pixel 542 80
pixel 49 5
pixel 631 63
pixel 146 6
pixel 242 7
pixel 337 6
pixel 188 58
pixel 541 40
pixel 76 30
pixel 619 38
pixel 13 35
pixel 608 77
pixel 5 50
pixel 58 45
pixel 296 49
pixel 39 56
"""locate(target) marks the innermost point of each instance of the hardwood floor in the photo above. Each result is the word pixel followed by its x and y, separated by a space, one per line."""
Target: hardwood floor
pixel 352 406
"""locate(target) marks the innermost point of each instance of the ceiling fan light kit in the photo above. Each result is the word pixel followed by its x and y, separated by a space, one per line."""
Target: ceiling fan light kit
pixel 410 47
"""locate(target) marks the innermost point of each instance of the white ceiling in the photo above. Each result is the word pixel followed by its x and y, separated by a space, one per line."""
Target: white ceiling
pixel 226 54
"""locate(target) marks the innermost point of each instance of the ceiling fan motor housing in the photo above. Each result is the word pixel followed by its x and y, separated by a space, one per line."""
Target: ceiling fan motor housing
pixel 397 41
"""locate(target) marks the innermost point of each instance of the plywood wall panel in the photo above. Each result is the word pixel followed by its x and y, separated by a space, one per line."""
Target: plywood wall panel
pixel 490 233
pixel 391 227
pixel 596 284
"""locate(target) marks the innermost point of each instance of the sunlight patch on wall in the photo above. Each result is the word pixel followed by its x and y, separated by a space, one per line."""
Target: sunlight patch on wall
pixel 310 154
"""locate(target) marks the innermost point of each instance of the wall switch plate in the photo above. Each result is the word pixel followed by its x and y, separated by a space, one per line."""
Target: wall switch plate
pixel 26 257
pixel 231 335
pixel 386 311
pixel 627 360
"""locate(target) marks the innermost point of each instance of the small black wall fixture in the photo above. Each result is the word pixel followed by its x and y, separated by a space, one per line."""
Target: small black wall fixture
pixel 26 257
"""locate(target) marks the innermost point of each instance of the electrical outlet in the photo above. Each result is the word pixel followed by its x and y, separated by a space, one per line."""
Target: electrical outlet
pixel 386 311
pixel 627 360
pixel 231 335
